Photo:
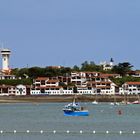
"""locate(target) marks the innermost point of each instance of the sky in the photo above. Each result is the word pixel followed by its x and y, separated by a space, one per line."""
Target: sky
pixel 68 32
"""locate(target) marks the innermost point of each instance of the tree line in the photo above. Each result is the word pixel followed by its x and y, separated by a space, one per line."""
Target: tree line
pixel 30 73
pixel 33 72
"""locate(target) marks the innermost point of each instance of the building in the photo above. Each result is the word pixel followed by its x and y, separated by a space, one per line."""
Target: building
pixel 49 86
pixel 106 65
pixel 94 83
pixel 4 76
pixel 130 88
pixel 21 90
pixel 5 59
pixel 134 73
pixel 8 90
pixel 85 83
pixel 5 72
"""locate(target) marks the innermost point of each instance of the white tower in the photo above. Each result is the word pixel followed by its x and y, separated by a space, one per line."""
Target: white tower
pixel 5 59
pixel 111 62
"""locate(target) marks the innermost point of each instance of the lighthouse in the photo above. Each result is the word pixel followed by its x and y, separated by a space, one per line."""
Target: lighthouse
pixel 5 59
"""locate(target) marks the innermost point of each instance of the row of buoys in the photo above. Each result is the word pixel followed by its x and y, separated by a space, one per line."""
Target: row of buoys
pixel 75 132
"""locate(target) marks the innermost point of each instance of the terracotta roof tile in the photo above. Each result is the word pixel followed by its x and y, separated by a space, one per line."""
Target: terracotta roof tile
pixel 133 83
pixel 42 78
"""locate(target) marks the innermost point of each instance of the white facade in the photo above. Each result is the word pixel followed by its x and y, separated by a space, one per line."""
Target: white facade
pixel 86 83
pixel 44 81
pixel 54 83
pixel 20 90
pixel 137 74
pixel 35 92
pixel 130 88
pixel 5 59
pixel 4 76
pixel 78 78
pixel 12 90
pixel 85 90
pixel 109 91
pixel 121 91
pixel 106 65
pixel 52 91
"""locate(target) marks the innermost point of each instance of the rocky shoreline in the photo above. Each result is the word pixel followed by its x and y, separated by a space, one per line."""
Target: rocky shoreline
pixel 66 98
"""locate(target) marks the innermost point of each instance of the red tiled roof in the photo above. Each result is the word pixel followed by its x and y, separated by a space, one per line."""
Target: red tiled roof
pixel 50 81
pixel 99 87
pixel 94 72
pixel 109 75
pixel 137 72
pixel 6 86
pixel 42 78
pixel 133 83
pixel 93 82
pixel 54 87
pixel 100 76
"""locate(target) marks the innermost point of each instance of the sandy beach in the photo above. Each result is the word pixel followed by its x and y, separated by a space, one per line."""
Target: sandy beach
pixel 65 98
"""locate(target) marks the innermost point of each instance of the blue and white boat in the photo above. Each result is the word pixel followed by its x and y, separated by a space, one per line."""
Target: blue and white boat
pixel 74 109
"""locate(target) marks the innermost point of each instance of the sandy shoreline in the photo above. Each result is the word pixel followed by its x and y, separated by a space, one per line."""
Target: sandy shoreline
pixel 62 98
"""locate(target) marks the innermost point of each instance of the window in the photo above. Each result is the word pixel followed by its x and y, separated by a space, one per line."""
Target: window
pixel 42 82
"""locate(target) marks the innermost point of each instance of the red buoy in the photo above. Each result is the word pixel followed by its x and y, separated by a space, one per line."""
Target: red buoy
pixel 119 112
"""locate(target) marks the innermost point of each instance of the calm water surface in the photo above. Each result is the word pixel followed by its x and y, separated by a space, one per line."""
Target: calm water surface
pixel 49 117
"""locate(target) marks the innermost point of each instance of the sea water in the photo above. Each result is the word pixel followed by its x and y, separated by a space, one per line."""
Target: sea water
pixel 41 121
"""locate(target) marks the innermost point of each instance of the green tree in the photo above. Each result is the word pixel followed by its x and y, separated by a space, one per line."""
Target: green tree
pixel 90 66
pixel 120 81
pixel 122 68
pixel 21 72
pixel 34 72
pixel 15 71
pixel 15 82
pixel 76 68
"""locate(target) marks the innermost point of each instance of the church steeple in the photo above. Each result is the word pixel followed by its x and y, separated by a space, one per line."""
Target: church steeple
pixel 111 62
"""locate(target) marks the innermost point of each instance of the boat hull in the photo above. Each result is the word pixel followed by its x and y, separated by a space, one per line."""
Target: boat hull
pixel 136 102
pixel 76 113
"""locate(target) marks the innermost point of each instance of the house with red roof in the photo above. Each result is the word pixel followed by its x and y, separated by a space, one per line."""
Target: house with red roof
pixel 130 88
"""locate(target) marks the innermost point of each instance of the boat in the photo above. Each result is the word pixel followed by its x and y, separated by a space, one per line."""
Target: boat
pixel 136 102
pixel 75 109
pixel 95 102
pixel 114 103
pixel 125 103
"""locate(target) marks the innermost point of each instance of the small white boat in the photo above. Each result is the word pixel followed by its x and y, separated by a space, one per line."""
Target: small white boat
pixel 114 103
pixel 95 102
